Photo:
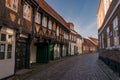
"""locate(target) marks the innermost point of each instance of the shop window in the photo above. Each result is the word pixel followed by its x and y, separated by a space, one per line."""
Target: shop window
pixel 12 4
pixel 2 51
pixel 9 51
pixel 6 42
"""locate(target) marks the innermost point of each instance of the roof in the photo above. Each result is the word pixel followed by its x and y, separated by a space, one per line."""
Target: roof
pixel 88 43
pixel 93 40
pixel 47 8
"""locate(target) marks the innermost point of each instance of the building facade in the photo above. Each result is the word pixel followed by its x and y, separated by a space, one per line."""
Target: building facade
pixel 73 48
pixel 90 45
pixel 32 32
pixel 109 32
pixel 79 43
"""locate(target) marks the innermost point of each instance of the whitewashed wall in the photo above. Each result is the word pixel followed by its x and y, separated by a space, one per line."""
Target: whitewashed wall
pixel 57 51
pixel 7 66
pixel 64 51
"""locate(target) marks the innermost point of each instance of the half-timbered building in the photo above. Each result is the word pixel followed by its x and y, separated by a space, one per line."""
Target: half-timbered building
pixel 30 32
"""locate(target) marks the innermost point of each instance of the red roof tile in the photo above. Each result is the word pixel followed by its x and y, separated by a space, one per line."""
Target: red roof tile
pixel 51 11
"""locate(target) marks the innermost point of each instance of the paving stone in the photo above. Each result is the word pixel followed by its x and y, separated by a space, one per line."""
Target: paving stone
pixel 83 67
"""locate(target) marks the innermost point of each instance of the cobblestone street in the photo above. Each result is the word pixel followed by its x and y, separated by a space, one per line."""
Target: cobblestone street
pixel 84 67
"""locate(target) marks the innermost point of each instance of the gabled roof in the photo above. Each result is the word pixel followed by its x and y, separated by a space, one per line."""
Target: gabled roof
pixel 47 8
pixel 93 40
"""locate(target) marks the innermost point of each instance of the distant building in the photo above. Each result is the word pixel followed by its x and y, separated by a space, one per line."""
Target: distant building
pixel 72 40
pixel 90 45
pixel 108 17
pixel 79 44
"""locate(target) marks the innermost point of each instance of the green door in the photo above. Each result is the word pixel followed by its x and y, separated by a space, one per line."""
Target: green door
pixel 42 53
pixel 51 52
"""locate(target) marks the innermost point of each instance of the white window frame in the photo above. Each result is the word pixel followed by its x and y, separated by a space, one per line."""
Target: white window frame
pixel 57 31
pixel 115 31
pixel 108 37
pixel 44 21
pixel 38 17
pixel 27 11
pixel 7 42
pixel 50 24
pixel 13 5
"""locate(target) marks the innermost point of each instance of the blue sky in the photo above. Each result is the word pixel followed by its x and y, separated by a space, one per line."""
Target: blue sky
pixel 81 12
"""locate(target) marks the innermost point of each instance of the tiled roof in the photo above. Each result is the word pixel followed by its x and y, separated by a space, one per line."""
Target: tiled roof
pixel 93 40
pixel 88 43
pixel 47 8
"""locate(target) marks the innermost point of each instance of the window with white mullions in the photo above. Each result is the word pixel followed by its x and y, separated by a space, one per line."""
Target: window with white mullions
pixel 2 51
pixel 115 29
pixel 108 37
pixel 9 51
pixel 50 24
pixel 6 41
pixel 57 32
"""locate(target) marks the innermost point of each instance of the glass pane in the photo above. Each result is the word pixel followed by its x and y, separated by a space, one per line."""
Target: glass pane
pixel 3 37
pixel 2 55
pixel 9 55
pixel 9 49
pixel 2 47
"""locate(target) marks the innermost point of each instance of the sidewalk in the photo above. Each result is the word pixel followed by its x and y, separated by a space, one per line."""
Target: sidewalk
pixel 108 71
pixel 35 68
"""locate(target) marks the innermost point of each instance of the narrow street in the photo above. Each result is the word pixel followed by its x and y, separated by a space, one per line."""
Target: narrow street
pixel 84 67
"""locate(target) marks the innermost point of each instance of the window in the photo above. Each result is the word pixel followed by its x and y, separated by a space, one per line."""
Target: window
pixel 6 44
pixel 115 29
pixel 108 37
pixel 27 11
pixel 102 41
pixel 50 24
pixel 12 4
pixel 37 17
pixel 106 5
pixel 2 51
pixel 9 51
pixel 44 21
pixel 3 37
pixel 57 32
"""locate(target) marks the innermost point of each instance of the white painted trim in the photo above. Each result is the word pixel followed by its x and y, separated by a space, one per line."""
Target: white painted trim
pixel 109 17
pixel 113 47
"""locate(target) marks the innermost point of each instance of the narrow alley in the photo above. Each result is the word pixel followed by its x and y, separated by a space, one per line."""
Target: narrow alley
pixel 84 67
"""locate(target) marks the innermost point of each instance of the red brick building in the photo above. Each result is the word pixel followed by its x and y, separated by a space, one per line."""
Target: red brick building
pixel 108 16
pixel 90 45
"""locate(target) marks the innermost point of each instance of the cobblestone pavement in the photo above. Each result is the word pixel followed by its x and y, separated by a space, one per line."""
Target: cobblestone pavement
pixel 83 67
